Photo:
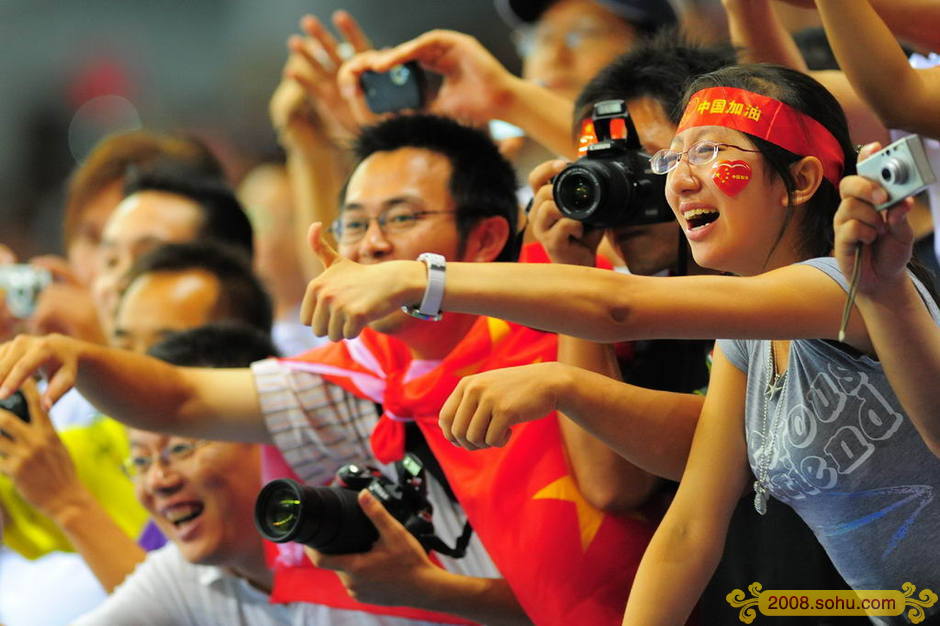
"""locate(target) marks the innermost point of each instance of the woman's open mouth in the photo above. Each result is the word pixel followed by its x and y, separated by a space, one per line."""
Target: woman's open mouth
pixel 697 218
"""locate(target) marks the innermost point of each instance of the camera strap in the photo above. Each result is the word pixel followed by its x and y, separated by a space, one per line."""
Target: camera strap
pixel 433 542
pixel 416 444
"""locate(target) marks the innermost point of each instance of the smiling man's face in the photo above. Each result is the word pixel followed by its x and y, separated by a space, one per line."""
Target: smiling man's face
pixel 204 503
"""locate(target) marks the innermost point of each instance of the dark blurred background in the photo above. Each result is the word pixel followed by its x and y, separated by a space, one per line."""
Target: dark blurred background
pixel 71 72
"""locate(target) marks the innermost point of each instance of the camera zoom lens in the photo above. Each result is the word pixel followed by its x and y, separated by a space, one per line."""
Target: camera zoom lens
pixel 278 510
pixel 578 192
pixel 894 172
pixel 326 518
pixel 283 512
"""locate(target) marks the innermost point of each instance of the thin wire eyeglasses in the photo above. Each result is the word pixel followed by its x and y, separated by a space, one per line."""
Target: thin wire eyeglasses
pixel 352 227
pixel 699 153
pixel 137 466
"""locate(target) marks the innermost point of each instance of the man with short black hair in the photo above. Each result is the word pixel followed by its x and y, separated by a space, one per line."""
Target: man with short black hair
pixel 165 204
pixel 223 218
pixel 182 285
pixel 405 197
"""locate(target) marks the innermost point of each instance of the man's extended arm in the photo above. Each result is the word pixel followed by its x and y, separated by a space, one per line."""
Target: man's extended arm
pixel 138 390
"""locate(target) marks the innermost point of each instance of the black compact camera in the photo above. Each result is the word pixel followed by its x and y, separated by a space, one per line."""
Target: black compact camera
pixel 16 404
pixel 402 87
pixel 330 520
pixel 612 184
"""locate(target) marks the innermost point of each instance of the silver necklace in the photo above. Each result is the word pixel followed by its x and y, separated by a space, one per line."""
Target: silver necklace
pixel 768 432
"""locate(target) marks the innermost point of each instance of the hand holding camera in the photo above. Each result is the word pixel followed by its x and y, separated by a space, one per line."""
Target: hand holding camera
pixel 873 239
pixel 33 456
pixel 564 239
pixel 330 520
pixel 474 84
pixel 66 305
pixel 902 169
pixel 395 571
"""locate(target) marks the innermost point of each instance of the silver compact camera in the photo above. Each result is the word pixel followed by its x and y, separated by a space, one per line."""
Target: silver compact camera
pixel 902 168
pixel 21 285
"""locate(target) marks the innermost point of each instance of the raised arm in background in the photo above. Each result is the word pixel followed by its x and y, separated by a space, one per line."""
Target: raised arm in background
pixel 476 87
pixel 904 97
pixel 908 19
pixel 314 124
pixel 761 38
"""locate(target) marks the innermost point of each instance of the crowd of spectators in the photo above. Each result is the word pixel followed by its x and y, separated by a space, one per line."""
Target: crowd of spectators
pixel 624 380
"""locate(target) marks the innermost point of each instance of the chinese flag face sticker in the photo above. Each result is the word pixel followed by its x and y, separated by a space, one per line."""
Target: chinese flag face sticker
pixel 731 177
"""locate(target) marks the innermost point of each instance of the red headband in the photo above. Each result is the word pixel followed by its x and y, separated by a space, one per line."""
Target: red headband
pixel 769 119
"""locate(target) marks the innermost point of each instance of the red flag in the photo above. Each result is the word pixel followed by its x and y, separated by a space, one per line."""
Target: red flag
pixel 566 561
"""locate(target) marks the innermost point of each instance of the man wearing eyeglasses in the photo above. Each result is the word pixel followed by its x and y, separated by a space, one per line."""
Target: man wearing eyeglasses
pixel 423 184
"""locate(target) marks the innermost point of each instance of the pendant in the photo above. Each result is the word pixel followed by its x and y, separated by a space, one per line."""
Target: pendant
pixel 773 386
pixel 760 498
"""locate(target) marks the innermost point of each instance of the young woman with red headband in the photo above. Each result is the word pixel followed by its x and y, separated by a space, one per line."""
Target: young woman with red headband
pixel 753 177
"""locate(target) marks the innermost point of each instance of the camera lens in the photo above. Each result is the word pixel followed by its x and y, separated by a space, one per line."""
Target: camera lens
pixel 326 518
pixel 578 192
pixel 282 512
pixel 399 75
pixel 894 172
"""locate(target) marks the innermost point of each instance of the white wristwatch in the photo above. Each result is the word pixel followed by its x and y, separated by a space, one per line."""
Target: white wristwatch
pixel 430 308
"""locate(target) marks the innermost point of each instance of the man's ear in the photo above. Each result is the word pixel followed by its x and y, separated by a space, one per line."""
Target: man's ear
pixel 807 177
pixel 486 239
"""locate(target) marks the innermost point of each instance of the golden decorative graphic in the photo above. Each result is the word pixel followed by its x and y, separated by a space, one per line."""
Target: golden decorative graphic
pixel 736 598
pixel 927 598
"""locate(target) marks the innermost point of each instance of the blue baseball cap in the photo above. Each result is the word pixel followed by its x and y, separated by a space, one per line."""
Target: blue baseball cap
pixel 647 15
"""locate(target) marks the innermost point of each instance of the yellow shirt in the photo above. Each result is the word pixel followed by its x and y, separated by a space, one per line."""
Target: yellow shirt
pixel 97 450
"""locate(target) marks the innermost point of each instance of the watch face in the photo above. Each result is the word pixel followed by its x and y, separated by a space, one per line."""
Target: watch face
pixel 413 312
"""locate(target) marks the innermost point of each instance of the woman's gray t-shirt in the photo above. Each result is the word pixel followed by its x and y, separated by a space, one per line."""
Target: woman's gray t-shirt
pixel 845 456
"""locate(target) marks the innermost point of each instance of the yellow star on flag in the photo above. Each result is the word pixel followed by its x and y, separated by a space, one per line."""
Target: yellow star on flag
pixel 589 518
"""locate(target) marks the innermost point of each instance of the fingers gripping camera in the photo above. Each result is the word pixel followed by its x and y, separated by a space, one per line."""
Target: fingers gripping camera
pixel 902 168
pixel 329 519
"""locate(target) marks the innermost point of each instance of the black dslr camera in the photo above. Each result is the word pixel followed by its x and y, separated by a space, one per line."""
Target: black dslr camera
pixel 612 185
pixel 329 519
